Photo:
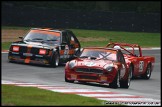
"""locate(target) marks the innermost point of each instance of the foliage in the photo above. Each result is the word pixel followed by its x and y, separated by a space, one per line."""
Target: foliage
pixel 114 6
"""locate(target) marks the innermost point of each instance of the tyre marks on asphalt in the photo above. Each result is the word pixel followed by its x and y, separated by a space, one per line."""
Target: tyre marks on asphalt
pixel 117 98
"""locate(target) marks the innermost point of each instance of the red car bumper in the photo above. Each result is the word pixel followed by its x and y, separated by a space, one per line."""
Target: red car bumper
pixel 90 77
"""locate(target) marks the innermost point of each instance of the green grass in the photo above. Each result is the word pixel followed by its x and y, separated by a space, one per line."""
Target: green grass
pixel 141 38
pixel 31 96
pixel 5 45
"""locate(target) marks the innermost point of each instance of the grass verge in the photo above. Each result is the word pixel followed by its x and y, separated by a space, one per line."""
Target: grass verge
pixel 91 37
pixel 141 38
pixel 31 96
pixel 5 45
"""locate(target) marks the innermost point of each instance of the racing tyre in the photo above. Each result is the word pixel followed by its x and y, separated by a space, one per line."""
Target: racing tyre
pixel 77 52
pixel 126 83
pixel 55 60
pixel 66 80
pixel 131 75
pixel 116 82
pixel 10 61
pixel 147 74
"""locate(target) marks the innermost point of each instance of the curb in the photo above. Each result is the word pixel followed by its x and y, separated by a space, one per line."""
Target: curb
pixel 108 97
pixel 4 51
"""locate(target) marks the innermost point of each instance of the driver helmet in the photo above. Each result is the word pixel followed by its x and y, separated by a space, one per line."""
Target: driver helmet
pixel 117 47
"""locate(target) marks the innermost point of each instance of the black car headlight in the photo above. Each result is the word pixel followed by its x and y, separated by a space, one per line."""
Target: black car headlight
pixel 72 64
pixel 109 67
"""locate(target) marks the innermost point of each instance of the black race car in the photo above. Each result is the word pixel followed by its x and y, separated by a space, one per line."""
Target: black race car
pixel 45 46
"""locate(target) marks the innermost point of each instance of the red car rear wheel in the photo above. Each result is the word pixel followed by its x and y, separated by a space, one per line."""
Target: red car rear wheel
pixel 147 74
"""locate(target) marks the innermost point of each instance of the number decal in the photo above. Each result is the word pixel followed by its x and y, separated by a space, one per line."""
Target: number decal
pixel 141 65
pixel 66 51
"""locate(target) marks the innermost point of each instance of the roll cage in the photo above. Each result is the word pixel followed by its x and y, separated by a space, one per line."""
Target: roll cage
pixel 126 47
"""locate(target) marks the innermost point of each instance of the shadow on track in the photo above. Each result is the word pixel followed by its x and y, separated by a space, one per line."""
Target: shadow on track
pixel 37 65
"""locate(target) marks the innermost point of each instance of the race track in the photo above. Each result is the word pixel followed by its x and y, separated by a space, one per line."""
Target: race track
pixel 55 76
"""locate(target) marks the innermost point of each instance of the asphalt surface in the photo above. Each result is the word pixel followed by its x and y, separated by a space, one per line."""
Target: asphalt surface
pixel 55 76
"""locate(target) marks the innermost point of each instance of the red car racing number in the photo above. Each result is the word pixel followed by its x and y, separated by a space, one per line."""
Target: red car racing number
pixel 141 65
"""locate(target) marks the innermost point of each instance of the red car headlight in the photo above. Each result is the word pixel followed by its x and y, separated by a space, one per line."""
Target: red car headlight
pixel 109 67
pixel 16 48
pixel 42 51
pixel 72 64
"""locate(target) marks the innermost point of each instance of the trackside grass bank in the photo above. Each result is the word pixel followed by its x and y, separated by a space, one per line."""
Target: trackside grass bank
pixel 101 38
pixel 31 96
pixel 90 37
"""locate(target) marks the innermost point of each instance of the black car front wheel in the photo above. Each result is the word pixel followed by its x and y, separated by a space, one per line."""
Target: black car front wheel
pixel 77 52
pixel 10 61
pixel 55 59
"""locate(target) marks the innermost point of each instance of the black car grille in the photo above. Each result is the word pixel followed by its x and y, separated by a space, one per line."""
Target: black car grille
pixel 89 70
pixel 33 50
pixel 88 77
pixel 23 49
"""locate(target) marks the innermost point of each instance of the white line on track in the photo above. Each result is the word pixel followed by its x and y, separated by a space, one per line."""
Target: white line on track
pixel 77 90
pixel 104 95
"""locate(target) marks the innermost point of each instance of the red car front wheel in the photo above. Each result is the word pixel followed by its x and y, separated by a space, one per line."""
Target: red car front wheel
pixel 126 83
pixel 116 81
pixel 66 80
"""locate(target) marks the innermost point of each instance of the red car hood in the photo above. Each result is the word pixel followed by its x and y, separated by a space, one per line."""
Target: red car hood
pixel 93 63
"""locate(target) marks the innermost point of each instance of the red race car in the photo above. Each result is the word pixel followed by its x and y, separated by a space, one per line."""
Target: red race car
pixel 101 65
pixel 141 65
